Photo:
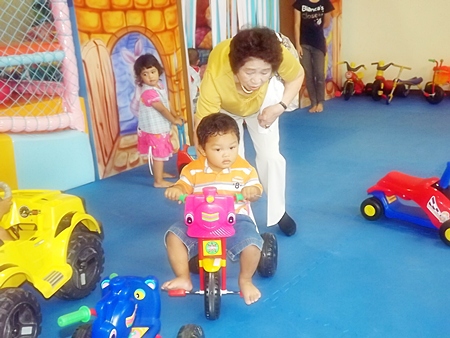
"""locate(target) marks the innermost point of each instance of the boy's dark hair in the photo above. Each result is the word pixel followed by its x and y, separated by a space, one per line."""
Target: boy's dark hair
pixel 216 124
pixel 193 56
pixel 259 42
pixel 144 62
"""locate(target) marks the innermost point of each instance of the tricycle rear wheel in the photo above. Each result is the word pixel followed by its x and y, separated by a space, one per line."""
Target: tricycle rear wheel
pixel 268 262
pixel 372 208
pixel 437 96
pixel 20 314
pixel 377 90
pixel 212 295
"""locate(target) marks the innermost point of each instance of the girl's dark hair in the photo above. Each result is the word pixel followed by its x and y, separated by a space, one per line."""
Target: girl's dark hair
pixel 259 42
pixel 216 124
pixel 144 62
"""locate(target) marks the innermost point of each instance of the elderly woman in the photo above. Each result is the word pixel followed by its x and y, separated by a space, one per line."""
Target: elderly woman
pixel 241 80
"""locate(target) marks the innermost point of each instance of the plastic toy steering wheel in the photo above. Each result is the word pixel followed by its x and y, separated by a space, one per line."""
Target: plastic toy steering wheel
pixel 6 189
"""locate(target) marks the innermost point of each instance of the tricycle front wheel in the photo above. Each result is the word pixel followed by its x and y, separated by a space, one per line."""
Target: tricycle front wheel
pixel 212 295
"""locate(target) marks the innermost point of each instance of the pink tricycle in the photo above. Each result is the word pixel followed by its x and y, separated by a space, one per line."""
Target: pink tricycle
pixel 210 218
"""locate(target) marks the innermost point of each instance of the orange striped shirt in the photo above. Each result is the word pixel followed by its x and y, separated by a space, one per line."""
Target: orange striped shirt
pixel 230 181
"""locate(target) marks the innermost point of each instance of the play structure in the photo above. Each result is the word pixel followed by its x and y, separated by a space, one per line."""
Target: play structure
pixel 40 107
pixel 53 245
pixel 210 218
pixel 423 201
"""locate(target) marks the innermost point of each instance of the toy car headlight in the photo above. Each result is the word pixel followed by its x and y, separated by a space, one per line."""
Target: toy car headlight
pixel 231 218
pixel 189 219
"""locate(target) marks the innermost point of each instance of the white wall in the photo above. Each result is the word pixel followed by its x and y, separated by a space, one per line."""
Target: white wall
pixel 406 32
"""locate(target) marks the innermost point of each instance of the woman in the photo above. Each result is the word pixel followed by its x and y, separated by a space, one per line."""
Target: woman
pixel 239 80
pixel 310 18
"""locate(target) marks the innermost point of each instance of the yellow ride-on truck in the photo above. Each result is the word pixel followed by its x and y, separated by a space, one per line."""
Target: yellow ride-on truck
pixel 49 241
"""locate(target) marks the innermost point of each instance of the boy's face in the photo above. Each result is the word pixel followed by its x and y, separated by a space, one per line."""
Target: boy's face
pixel 221 151
pixel 150 76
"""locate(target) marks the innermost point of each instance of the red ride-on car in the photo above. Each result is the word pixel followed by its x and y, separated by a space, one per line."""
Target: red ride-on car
pixel 423 201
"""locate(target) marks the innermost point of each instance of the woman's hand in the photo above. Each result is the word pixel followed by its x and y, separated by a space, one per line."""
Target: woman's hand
pixel 269 115
pixel 251 193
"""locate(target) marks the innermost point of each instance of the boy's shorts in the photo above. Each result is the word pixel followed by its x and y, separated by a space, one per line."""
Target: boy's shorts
pixel 246 234
pixel 162 148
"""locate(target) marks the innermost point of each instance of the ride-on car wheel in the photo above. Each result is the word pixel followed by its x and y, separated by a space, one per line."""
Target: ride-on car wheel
pixel 438 93
pixel 190 331
pixel 268 262
pixel 377 90
pixel 444 232
pixel 86 256
pixel 83 331
pixel 20 314
pixel 349 88
pixel 212 295
pixel 372 208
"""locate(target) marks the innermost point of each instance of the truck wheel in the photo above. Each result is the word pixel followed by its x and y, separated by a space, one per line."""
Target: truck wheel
pixel 86 256
pixel 268 262
pixel 83 331
pixel 444 232
pixel 372 208
pixel 191 331
pixel 212 295
pixel 20 314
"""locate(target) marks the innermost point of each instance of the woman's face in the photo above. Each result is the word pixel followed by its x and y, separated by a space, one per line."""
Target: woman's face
pixel 254 73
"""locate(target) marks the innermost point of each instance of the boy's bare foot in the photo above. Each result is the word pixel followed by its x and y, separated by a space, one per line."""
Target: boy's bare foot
pixel 313 109
pixel 167 175
pixel 178 283
pixel 319 108
pixel 162 184
pixel 249 291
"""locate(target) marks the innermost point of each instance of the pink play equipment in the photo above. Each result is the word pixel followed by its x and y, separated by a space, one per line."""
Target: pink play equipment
pixel 38 69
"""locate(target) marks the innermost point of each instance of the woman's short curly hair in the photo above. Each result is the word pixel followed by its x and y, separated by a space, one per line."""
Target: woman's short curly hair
pixel 258 42
pixel 144 62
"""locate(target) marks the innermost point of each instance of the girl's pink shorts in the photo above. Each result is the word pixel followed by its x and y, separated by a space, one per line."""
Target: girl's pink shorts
pixel 162 148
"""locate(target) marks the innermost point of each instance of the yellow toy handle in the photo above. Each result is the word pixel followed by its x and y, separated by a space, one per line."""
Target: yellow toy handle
pixel 6 189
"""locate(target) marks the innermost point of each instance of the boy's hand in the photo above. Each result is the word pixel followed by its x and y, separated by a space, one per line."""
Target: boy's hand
pixel 251 194
pixel 173 193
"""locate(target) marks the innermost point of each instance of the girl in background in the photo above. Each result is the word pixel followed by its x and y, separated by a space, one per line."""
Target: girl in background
pixel 155 119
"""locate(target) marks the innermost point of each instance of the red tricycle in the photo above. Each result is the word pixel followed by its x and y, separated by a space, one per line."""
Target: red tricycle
pixel 431 197
pixel 383 88
pixel 353 81
pixel 210 218
pixel 433 91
